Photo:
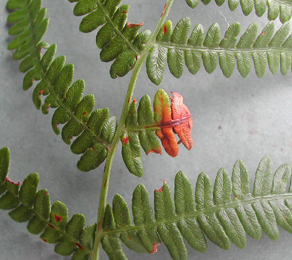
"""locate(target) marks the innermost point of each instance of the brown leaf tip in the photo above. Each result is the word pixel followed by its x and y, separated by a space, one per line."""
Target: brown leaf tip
pixel 162 187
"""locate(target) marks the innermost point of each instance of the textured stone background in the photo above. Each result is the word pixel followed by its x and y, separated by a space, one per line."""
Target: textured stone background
pixel 233 118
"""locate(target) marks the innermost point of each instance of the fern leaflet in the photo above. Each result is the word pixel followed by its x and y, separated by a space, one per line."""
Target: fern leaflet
pixel 118 39
pixel 224 213
pixel 143 128
pixel 28 204
pixel 175 47
pixel 94 129
pixel 282 8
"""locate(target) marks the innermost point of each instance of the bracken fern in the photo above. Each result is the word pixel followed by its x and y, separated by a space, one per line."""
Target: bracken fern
pixel 224 214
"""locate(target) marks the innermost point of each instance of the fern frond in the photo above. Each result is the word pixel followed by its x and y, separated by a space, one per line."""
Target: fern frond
pixel 224 214
pixel 175 47
pixel 144 128
pixel 273 7
pixel 72 109
pixel 32 206
pixel 119 40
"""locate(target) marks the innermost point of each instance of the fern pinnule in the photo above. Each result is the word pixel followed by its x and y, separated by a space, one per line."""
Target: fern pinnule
pixel 144 126
pixel 274 8
pixel 223 214
pixel 119 40
pixel 32 206
pixel 175 48
pixel 94 129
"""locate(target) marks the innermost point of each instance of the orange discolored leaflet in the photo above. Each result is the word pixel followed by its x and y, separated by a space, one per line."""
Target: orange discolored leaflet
pixel 172 115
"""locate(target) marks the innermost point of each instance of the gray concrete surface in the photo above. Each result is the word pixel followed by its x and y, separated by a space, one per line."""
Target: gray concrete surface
pixel 233 118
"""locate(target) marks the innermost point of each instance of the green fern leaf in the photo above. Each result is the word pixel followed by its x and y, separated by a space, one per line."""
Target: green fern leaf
pixel 28 204
pixel 93 129
pixel 224 213
pixel 118 39
pixel 276 8
pixel 264 50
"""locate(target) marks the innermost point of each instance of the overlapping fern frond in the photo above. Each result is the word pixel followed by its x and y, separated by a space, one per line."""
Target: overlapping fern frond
pixel 223 214
pixel 273 7
pixel 175 48
pixel 144 127
pixel 119 40
pixel 32 206
pixel 94 129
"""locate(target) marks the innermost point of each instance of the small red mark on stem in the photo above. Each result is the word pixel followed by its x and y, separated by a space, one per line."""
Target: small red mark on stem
pixel 135 101
pixel 155 248
pixel 105 182
pixel 126 140
pixel 98 226
pixel 131 25
pixel 80 246
pixel 162 187
pixel 58 218
pixel 163 13
pixel 45 240
pixel 165 29
pixel 12 182
pixel 136 57
pixel 51 226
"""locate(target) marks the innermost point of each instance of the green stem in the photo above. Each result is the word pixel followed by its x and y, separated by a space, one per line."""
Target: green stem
pixel 120 129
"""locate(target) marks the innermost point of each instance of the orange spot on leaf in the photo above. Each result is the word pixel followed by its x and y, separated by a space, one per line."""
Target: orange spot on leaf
pixel 12 182
pixel 162 187
pixel 165 29
pixel 131 25
pixel 155 248
pixel 155 150
pixel 80 246
pixel 51 226
pixel 58 218
pixel 163 13
pixel 125 140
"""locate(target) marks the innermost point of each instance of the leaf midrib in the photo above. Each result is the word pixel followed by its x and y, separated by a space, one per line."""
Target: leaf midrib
pixel 205 211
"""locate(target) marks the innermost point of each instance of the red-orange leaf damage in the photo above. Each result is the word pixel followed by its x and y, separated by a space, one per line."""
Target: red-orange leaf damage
pixel 155 248
pixel 173 117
